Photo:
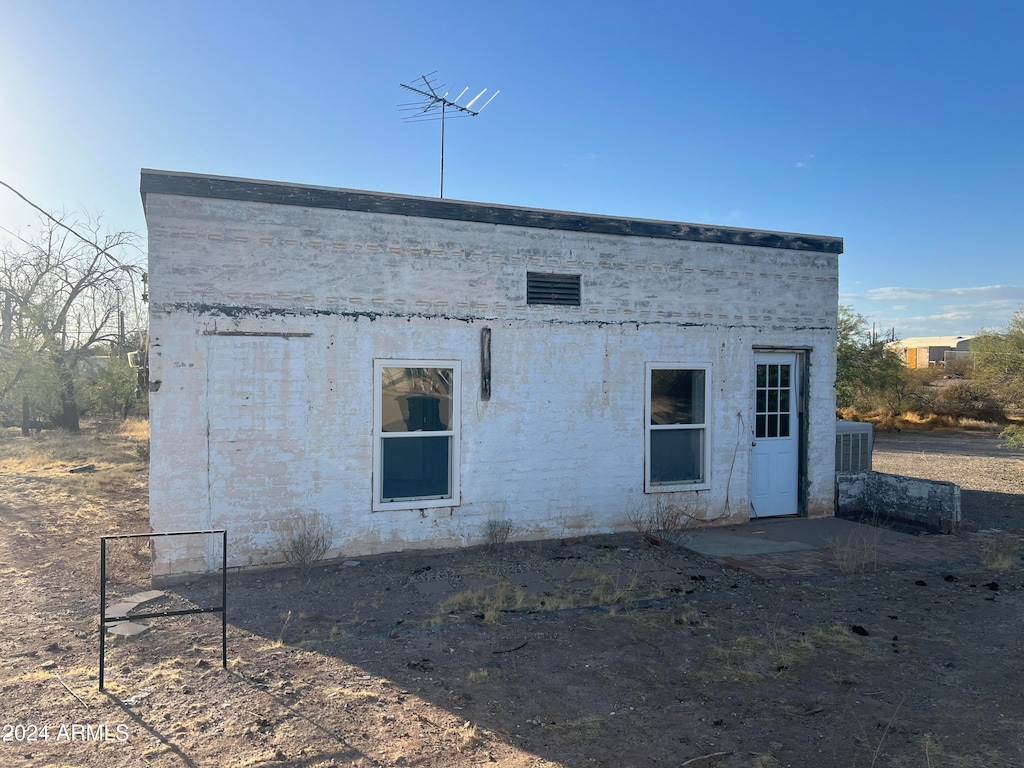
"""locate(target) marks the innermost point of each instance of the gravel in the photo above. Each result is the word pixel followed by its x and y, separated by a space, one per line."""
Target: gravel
pixel 990 475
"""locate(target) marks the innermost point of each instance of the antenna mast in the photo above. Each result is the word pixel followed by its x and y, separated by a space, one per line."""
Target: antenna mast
pixel 434 105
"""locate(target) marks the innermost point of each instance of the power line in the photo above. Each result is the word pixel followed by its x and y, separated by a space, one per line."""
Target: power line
pixel 16 235
pixel 128 268
pixel 104 251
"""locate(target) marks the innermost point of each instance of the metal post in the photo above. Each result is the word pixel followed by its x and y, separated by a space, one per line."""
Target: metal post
pixel 442 150
pixel 224 600
pixel 103 605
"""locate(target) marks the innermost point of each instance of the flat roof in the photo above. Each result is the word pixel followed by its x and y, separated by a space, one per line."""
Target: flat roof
pixel 279 193
pixel 931 341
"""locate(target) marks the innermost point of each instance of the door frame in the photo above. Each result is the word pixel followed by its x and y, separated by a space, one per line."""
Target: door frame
pixel 802 355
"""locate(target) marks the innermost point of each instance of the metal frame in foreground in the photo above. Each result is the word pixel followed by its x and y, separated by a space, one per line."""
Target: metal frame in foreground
pixel 221 609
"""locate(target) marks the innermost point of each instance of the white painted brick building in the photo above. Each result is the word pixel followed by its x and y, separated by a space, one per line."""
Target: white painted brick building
pixel 412 368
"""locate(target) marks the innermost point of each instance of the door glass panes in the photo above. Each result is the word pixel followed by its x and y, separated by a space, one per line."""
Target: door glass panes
pixel 772 415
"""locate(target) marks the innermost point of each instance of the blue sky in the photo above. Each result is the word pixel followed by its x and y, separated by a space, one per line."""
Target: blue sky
pixel 895 125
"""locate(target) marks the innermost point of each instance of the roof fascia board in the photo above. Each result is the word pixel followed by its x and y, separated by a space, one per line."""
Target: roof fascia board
pixel 277 193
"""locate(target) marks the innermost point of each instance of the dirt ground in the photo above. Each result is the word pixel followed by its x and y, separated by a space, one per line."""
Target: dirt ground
pixel 598 652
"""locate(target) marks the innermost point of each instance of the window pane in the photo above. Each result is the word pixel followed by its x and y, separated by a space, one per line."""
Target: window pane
pixel 773 375
pixel 784 377
pixel 773 401
pixel 416 399
pixel 415 468
pixel 761 428
pixel 773 426
pixel 677 456
pixel 677 397
pixel 762 377
pixel 784 425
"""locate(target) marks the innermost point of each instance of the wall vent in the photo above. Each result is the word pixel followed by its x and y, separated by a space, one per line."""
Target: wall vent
pixel 855 441
pixel 546 288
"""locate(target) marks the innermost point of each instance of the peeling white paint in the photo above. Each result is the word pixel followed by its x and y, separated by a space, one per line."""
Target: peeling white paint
pixel 248 430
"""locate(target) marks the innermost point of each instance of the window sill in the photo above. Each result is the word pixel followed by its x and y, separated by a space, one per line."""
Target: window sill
pixel 410 504
pixel 678 487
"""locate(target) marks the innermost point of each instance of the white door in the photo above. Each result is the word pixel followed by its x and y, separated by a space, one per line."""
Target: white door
pixel 775 452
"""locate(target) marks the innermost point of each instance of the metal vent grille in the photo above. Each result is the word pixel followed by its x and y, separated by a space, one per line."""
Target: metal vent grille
pixel 545 288
pixel 854 443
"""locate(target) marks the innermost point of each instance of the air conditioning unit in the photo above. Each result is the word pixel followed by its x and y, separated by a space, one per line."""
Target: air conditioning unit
pixel 135 359
pixel 854 442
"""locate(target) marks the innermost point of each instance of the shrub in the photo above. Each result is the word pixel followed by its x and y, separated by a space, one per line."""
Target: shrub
pixel 965 398
pixel 658 517
pixel 305 540
pixel 498 531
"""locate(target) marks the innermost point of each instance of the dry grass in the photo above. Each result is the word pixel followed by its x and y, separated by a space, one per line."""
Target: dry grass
pixel 734 660
pixel 775 652
pixel 42 463
pixel 912 421
pixel 583 728
pixel 837 639
pixel 352 695
pixel 135 429
pixel 468 736
pixel 478 676
pixel 998 552
pixel 587 587
pixel 490 602
pixel 856 552
pixel 55 452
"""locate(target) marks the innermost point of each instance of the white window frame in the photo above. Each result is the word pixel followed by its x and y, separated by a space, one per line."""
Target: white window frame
pixel 452 500
pixel 705 484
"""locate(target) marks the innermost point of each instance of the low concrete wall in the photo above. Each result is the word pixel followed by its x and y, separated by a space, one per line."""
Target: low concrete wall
pixel 934 504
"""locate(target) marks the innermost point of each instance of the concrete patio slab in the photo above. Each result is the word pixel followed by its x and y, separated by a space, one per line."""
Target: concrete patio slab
pixel 145 597
pixel 127 629
pixel 479 583
pixel 762 537
pixel 561 572
pixel 433 588
pixel 120 609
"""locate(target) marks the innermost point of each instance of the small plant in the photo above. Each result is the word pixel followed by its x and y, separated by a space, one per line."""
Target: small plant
pixel 477 676
pixel 142 450
pixel 498 527
pixel 498 532
pixel 279 643
pixel 305 540
pixel 1013 436
pixel 657 517
pixel 998 552
pixel 469 736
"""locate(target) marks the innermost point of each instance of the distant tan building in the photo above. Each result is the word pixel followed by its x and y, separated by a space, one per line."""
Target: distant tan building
pixel 929 351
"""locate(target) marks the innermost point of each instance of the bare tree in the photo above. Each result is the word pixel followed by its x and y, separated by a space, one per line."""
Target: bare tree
pixel 61 295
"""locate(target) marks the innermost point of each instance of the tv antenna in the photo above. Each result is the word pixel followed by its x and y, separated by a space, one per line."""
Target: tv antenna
pixel 434 104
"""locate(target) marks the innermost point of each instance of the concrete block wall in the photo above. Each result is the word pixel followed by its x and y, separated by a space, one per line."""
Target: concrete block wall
pixel 266 320
pixel 932 504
